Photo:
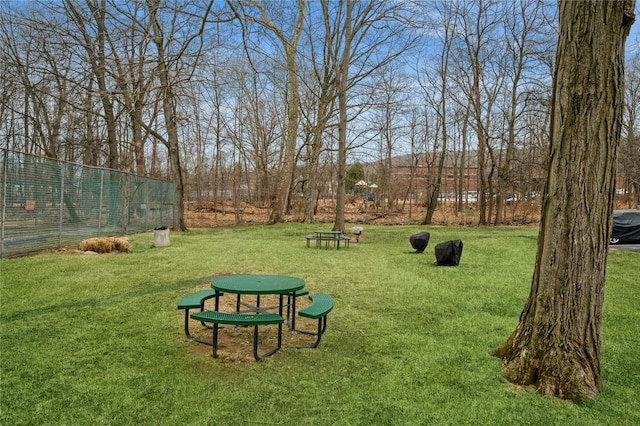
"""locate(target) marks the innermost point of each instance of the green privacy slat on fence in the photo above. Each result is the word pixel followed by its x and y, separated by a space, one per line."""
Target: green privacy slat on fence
pixel 48 203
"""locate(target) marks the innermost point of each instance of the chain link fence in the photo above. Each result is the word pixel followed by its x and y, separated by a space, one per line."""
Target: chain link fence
pixel 49 204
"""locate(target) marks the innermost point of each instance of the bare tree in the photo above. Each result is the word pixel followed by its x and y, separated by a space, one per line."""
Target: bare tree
pixel 556 345
pixel 462 119
pixel 343 79
pixel 390 97
pixel 133 78
pixel 262 141
pixel 480 83
pixel 438 99
pixel 374 35
pixel 630 148
pixel 323 91
pixel 42 73
pixel 168 95
pixel 522 22
pixel 95 47
pixel 254 11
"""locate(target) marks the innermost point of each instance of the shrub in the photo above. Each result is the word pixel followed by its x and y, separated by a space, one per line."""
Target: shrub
pixel 105 245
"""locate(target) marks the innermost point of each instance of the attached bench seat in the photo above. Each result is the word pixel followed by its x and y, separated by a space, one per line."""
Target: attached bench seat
pixel 255 320
pixel 327 240
pixel 194 301
pixel 321 305
pixel 345 240
pixel 309 239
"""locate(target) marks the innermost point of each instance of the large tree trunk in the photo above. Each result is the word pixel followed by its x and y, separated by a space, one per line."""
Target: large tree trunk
pixel 556 346
pixel 325 108
pixel 169 110
pixel 314 165
pixel 338 224
pixel 281 203
pixel 441 108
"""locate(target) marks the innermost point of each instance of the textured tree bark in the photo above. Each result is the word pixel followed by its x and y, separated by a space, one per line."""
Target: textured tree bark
pixel 556 345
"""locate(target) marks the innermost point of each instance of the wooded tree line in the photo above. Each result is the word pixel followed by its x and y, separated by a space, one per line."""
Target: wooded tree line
pixel 271 102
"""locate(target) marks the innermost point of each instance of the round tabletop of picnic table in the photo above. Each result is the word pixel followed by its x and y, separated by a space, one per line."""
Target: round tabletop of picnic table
pixel 257 284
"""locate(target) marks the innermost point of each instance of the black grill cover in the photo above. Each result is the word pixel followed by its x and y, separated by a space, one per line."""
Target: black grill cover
pixel 449 253
pixel 626 227
pixel 419 241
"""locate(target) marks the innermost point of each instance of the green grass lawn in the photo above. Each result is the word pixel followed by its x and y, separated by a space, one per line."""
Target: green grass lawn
pixel 97 339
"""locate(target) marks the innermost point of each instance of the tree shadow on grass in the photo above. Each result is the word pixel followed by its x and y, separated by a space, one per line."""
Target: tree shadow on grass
pixel 93 302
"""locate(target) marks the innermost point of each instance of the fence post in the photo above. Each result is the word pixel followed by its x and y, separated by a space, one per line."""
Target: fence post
pixel 61 210
pixel 100 203
pixel 4 198
pixel 147 209
pixel 125 194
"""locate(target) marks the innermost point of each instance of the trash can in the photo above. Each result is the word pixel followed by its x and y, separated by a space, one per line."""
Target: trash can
pixel 161 237
pixel 357 231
